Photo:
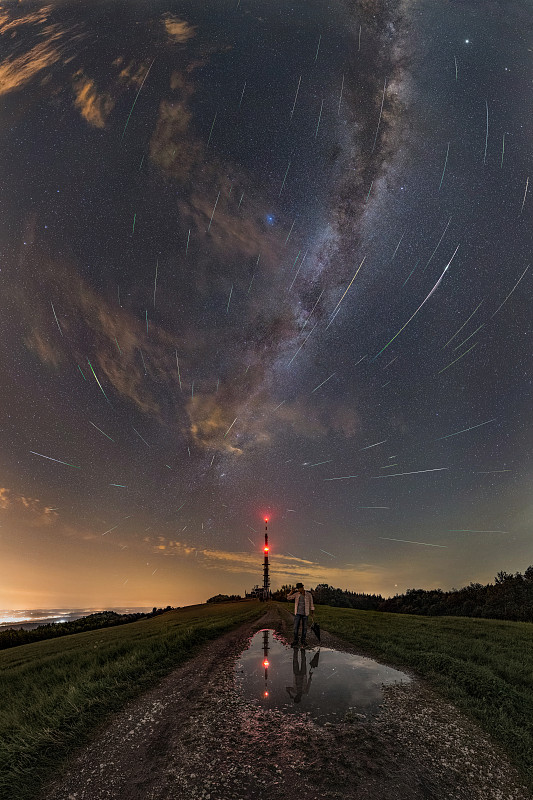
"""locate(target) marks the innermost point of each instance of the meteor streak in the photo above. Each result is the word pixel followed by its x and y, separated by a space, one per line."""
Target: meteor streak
pixel 343 478
pixel 326 552
pixel 410 542
pixel 297 271
pixel 140 437
pixel 468 337
pixel 419 307
pixel 487 134
pixel 525 193
pixel 54 459
pixel 302 344
pixel 98 382
pixel 211 131
pixel 344 295
pixel 58 325
pixel 284 178
pixel 512 290
pixel 295 96
pixel 458 359
pixel 136 96
pixel 340 98
pixel 98 429
pixel 465 430
pixel 322 384
pixel 467 530
pixel 178 363
pixel 319 118
pixel 230 427
pixel 111 529
pixel 289 234
pixel 380 111
pixel 417 472
pixel 445 162
pixel 373 445
pixel 213 214
pixel 242 93
pixel 462 326
pixel 315 305
pixel 396 249
pixel 415 266
pixel 437 247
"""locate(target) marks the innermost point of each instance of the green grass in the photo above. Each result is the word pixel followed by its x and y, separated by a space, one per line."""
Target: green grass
pixel 56 693
pixel 482 666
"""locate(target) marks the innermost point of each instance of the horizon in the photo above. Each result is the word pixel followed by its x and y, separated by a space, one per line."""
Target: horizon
pixel 44 613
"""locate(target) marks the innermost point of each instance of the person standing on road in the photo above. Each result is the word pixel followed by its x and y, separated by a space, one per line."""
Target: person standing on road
pixel 303 604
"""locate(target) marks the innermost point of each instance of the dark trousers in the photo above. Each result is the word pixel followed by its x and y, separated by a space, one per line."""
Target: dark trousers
pixel 297 619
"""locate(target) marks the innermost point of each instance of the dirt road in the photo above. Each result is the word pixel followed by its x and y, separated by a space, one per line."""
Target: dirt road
pixel 192 736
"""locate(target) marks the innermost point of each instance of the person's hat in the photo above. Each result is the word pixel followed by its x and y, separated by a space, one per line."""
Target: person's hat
pixel 298 585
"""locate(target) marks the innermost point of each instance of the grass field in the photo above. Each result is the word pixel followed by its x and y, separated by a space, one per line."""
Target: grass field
pixel 483 666
pixel 55 693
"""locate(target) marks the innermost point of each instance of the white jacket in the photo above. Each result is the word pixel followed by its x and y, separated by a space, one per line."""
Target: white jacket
pixel 309 605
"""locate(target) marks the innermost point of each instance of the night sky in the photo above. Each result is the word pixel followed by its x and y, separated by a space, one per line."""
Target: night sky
pixel 263 259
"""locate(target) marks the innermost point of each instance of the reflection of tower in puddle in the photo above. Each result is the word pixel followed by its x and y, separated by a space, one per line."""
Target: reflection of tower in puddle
pixel 266 662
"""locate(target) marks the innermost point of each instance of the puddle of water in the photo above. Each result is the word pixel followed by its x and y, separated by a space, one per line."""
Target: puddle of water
pixel 321 682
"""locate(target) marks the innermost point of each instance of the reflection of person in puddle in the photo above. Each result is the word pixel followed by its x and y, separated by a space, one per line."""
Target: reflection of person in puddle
pixel 302 683
pixel 303 604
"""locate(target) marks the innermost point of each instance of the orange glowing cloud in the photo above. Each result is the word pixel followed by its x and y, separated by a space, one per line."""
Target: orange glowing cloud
pixel 16 72
pixel 93 107
pixel 178 30
pixel 29 509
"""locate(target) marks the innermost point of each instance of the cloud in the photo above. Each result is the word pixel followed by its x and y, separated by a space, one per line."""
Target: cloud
pixel 178 30
pixel 27 509
pixel 288 568
pixel 209 421
pixel 16 72
pixel 172 149
pixel 5 502
pixel 33 18
pixel 43 348
pixel 94 108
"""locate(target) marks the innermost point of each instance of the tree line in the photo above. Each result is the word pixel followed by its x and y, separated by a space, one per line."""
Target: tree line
pixel 510 597
pixel 12 637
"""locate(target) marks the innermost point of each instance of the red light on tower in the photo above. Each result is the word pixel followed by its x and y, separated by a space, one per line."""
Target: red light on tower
pixel 266 548
pixel 266 519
